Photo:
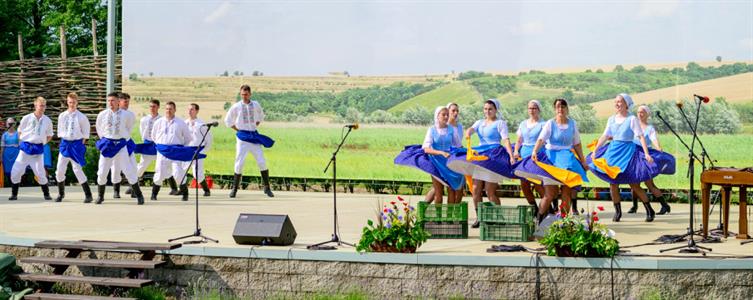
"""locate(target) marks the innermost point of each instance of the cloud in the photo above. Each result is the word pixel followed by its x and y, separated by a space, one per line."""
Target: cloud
pixel 528 28
pixel 218 13
pixel 746 43
pixel 664 8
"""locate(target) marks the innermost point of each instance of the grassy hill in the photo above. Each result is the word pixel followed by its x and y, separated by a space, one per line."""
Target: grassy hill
pixel 459 92
pixel 736 89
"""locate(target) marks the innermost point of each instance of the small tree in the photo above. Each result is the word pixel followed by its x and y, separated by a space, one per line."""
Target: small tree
pixel 225 74
pixel 227 105
pixel 718 58
pixel 151 74
pixel 619 68
pixel 585 115
pixel 133 76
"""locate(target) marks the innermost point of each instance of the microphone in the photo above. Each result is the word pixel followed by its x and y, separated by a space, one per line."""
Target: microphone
pixel 679 103
pixel 658 113
pixel 352 126
pixel 702 98
pixel 211 124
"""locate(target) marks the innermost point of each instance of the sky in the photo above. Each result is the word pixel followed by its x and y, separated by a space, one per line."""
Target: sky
pixel 303 38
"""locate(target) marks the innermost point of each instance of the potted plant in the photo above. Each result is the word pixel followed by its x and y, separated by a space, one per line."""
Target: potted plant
pixel 395 230
pixel 580 235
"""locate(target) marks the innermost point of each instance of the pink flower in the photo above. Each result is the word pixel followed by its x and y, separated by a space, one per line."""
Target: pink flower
pixel 601 208
pixel 392 202
pixel 400 198
pixel 385 210
pixel 596 218
pixel 594 213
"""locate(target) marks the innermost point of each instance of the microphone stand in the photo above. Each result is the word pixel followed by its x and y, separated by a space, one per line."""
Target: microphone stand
pixel 691 247
pixel 197 230
pixel 335 237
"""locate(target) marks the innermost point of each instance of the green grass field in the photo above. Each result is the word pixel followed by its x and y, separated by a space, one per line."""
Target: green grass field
pixel 459 92
pixel 302 151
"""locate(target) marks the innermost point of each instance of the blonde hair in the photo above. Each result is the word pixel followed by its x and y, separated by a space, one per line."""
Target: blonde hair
pixel 73 96
pixel 40 99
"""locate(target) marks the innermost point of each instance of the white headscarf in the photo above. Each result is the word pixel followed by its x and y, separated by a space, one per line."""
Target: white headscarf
pixel 498 106
pixel 645 108
pixel 534 101
pixel 436 115
pixel 628 100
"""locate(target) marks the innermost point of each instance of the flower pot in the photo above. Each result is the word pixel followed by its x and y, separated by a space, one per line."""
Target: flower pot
pixel 384 247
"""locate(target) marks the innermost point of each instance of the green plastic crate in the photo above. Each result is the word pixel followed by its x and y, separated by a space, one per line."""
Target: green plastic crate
pixel 519 232
pixel 491 213
pixel 443 212
pixel 446 230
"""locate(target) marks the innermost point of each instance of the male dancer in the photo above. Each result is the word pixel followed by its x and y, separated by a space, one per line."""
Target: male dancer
pixel 73 130
pixel 171 135
pixel 198 130
pixel 34 131
pixel 243 117
pixel 114 129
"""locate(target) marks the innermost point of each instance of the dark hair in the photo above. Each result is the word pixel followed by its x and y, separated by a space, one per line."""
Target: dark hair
pixel 155 101
pixel 114 94
pixel 170 103
pixel 492 103
pixel 246 88
pixel 125 96
pixel 195 106
pixel 562 102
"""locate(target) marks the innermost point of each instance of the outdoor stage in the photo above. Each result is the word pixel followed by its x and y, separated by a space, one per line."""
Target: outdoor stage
pixel 448 263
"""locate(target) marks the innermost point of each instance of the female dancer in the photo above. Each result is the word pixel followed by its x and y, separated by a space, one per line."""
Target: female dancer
pixel 9 148
pixel 528 134
pixel 453 122
pixel 622 161
pixel 486 173
pixel 559 170
pixel 664 161
pixel 431 157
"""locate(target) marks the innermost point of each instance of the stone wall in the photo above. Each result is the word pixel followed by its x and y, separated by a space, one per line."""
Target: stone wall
pixel 254 278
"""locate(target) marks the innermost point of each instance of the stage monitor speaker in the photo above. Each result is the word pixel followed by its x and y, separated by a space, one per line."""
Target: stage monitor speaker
pixel 258 229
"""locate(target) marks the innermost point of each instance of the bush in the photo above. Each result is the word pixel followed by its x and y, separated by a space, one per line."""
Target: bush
pixel 585 116
pixel 417 115
pixel 380 116
pixel 715 118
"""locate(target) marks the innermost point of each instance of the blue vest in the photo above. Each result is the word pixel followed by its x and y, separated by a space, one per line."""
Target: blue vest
pixel 441 142
pixel 530 135
pixel 562 138
pixel 621 132
pixel 488 134
pixel 645 136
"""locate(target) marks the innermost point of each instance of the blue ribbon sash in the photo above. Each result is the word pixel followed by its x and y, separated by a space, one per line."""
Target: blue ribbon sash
pixel 31 149
pixel 75 150
pixel 254 137
pixel 146 148
pixel 179 152
pixel 109 147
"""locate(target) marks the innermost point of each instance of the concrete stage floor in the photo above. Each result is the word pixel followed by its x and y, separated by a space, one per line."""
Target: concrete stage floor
pixel 30 217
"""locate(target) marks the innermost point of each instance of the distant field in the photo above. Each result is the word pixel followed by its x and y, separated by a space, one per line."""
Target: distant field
pixel 302 151
pixel 459 92
pixel 735 89
pixel 606 68
pixel 226 88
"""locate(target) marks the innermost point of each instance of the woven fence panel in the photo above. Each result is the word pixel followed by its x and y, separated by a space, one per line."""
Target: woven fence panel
pixel 53 78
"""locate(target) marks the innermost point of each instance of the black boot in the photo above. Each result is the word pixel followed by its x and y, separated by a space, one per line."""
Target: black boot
pixel 555 207
pixel 574 206
pixel 129 191
pixel 476 224
pixel 14 192
pixel 155 191
pixel 539 218
pixel 634 209
pixel 173 186
pixel 137 192
pixel 265 180
pixel 665 209
pixel 649 211
pixel 617 212
pixel 87 193
pixel 61 192
pixel 184 192
pixel 46 192
pixel 116 190
pixel 100 194
pixel 236 183
pixel 205 187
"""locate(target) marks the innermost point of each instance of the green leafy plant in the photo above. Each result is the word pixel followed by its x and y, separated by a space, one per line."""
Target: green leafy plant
pixel 396 230
pixel 580 235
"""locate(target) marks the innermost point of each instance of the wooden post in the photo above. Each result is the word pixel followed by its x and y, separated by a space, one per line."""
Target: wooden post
pixel 63 50
pixel 20 47
pixel 94 37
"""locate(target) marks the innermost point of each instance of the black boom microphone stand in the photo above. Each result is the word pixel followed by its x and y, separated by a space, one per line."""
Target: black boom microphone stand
pixel 333 162
pixel 197 230
pixel 691 247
